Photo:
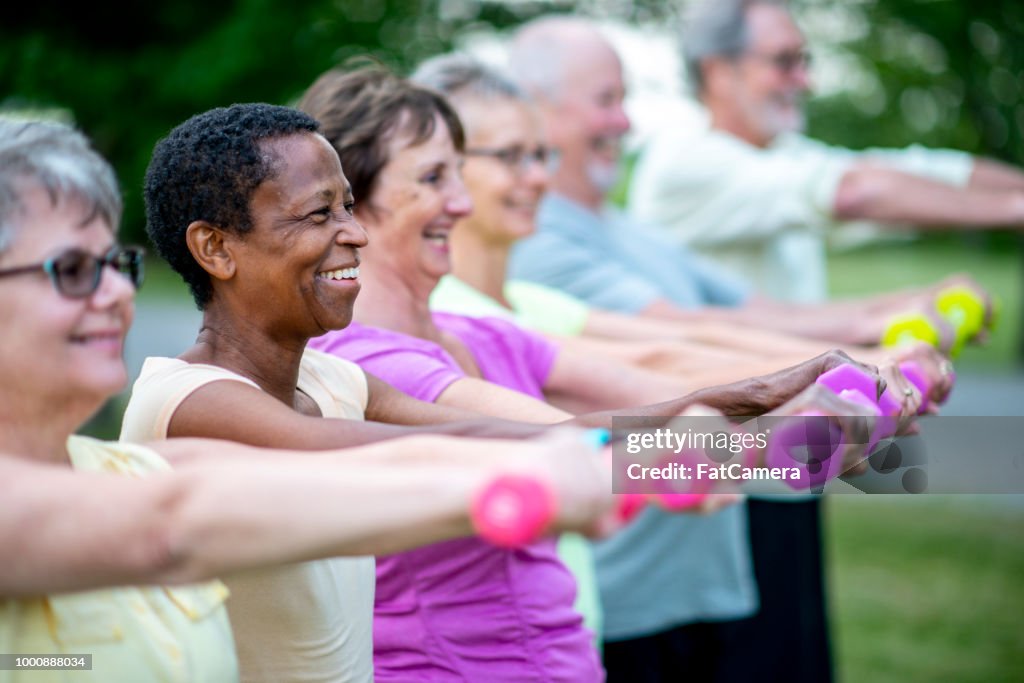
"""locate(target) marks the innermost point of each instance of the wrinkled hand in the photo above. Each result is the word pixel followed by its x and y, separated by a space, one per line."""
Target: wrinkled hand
pixel 856 422
pixel 937 368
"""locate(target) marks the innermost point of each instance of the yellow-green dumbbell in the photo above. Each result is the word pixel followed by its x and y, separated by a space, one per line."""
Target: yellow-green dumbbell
pixel 911 327
pixel 964 310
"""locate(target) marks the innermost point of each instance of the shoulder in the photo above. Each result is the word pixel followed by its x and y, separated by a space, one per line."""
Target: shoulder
pixel 338 379
pixel 157 370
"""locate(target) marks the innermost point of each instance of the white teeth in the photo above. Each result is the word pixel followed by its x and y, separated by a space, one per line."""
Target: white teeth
pixel 342 274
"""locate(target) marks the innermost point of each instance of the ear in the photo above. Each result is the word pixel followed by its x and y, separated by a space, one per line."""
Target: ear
pixel 211 248
pixel 717 73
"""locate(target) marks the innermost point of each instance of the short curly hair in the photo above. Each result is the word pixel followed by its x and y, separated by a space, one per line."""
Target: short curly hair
pixel 207 169
pixel 361 110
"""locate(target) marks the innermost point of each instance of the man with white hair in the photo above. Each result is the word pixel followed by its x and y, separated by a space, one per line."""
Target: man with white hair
pixel 759 198
pixel 677 590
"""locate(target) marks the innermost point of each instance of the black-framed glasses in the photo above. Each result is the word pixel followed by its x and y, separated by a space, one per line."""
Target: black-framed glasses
pixel 786 62
pixel 76 273
pixel 519 158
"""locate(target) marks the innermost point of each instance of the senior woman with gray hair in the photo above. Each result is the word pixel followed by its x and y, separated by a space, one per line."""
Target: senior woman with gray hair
pixel 111 548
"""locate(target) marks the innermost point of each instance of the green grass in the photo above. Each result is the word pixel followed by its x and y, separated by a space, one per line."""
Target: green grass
pixel 927 589
pixel 889 266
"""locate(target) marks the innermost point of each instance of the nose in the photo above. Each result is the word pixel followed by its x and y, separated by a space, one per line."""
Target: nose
pixel 458 203
pixel 352 234
pixel 538 174
pixel 620 119
pixel 115 290
pixel 801 76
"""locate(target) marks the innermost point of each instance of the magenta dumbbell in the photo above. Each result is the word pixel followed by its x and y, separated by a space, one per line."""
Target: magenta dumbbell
pixel 852 384
pixel 822 462
pixel 916 375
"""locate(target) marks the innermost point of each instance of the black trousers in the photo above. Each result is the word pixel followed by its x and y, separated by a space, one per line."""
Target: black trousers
pixel 787 641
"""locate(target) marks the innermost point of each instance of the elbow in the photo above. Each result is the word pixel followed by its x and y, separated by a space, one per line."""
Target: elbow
pixel 859 190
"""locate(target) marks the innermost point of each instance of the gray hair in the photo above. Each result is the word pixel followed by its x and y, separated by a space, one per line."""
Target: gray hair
pixel 716 28
pixel 458 75
pixel 62 162
pixel 540 49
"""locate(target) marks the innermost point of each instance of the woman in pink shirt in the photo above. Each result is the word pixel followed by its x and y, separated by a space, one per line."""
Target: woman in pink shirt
pixel 462 611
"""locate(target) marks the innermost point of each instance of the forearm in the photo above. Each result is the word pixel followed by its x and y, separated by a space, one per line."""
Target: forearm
pixel 989 174
pixel 887 196
pixel 215 516
pixel 796 327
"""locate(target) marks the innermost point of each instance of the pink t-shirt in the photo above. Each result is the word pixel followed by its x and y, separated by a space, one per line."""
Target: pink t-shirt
pixel 465 610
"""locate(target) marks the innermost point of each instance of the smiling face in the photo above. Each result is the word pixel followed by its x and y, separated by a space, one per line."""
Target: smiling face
pixel 765 88
pixel 416 199
pixel 505 197
pixel 62 349
pixel 297 269
pixel 586 119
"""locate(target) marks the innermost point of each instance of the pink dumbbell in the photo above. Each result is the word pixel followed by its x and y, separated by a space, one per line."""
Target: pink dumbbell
pixel 668 498
pixel 513 509
pixel 917 376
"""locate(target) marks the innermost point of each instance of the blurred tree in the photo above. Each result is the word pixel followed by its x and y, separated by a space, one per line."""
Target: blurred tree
pixel 939 72
pixel 127 72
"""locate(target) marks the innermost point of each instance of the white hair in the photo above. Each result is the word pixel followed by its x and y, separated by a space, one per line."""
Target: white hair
pixel 457 75
pixel 60 160
pixel 540 50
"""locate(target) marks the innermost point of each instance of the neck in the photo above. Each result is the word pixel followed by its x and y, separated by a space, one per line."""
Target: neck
pixel 722 119
pixel 237 343
pixel 41 433
pixel 389 301
pixel 481 264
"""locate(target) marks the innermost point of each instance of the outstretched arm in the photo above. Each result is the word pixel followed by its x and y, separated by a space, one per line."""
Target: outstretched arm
pixel 227 507
pixel 875 192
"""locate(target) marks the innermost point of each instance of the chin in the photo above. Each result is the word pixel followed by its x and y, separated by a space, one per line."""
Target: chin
pixel 516 230
pixel 106 385
pixel 603 176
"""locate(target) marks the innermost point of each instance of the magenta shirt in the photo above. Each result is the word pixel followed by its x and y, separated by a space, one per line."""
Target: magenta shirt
pixel 465 610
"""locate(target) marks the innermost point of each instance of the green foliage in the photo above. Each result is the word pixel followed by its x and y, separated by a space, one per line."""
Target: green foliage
pixel 939 72
pixel 942 73
pixel 128 72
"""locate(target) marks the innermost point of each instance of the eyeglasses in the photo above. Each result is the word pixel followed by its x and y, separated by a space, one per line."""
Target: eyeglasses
pixel 76 274
pixel 519 159
pixel 786 62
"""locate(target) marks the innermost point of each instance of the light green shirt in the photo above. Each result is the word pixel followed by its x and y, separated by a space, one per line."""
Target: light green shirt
pixel 534 306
